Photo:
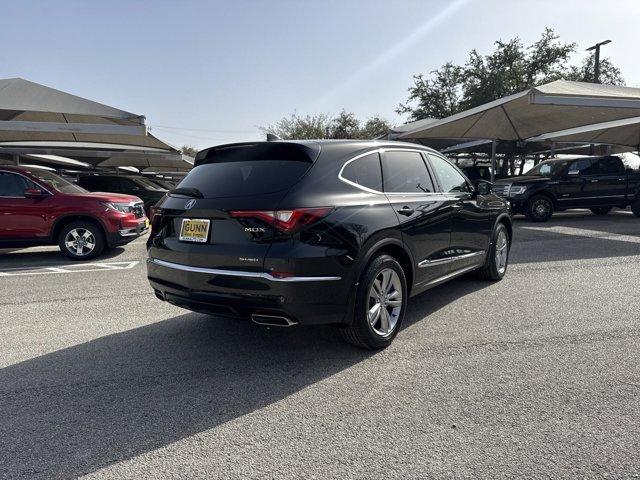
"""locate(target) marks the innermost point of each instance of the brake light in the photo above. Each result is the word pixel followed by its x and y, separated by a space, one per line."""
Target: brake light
pixel 286 221
pixel 155 215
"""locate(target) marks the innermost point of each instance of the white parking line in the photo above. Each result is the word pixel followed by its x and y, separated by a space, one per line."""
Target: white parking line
pixel 79 268
pixel 581 232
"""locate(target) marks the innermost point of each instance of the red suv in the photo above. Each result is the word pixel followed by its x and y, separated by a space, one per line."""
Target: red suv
pixel 38 207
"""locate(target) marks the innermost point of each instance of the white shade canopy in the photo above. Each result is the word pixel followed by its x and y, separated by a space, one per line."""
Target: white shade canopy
pixel 616 132
pixel 39 120
pixel 551 107
pixel 32 112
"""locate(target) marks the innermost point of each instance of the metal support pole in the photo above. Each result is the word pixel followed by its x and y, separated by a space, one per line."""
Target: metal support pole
pixel 596 60
pixel 16 159
pixel 494 144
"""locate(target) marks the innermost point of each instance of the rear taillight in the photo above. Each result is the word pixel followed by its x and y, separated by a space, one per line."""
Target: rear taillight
pixel 286 221
pixel 155 215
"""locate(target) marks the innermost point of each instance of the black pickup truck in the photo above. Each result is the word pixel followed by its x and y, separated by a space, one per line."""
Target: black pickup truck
pixel 597 183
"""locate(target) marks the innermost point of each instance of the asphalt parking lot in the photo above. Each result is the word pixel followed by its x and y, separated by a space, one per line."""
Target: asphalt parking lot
pixel 534 376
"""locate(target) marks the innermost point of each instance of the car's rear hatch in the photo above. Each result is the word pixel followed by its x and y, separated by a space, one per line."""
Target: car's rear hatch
pixel 196 224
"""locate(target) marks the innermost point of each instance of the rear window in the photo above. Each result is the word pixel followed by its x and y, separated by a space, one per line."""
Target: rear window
pixel 249 169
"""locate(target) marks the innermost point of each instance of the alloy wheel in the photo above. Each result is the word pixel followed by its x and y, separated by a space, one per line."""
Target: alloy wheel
pixel 502 252
pixel 385 302
pixel 80 242
pixel 541 208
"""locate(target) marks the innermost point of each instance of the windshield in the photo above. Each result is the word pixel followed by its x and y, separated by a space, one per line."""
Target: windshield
pixel 149 185
pixel 548 169
pixel 56 182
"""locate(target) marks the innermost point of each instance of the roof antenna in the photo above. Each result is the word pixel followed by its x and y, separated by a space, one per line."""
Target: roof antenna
pixel 271 137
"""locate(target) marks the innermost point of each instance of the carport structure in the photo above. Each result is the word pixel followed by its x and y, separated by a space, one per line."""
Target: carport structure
pixel 625 132
pixel 515 119
pixel 37 120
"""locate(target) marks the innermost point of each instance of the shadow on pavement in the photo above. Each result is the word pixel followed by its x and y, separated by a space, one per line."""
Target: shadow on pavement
pixel 76 410
pixel 576 236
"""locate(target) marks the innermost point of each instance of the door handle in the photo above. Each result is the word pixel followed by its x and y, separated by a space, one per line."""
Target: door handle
pixel 593 181
pixel 408 211
pixel 457 206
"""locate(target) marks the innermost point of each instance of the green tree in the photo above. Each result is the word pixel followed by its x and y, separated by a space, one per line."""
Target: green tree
pixel 609 73
pixel 374 127
pixel 343 126
pixel 509 69
pixel 437 96
pixel 295 127
pixel 189 150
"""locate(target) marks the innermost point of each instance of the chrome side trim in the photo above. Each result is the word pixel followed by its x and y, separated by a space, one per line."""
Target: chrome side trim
pixel 451 275
pixel 380 151
pixel 354 184
pixel 238 273
pixel 441 261
pixel 591 198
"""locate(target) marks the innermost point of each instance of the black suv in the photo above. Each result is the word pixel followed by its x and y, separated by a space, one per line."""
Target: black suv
pixel 142 188
pixel 597 183
pixel 317 232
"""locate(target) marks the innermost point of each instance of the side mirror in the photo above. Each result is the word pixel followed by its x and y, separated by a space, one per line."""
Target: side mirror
pixel 483 187
pixel 34 193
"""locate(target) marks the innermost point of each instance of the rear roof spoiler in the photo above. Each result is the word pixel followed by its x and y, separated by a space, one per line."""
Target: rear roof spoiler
pixel 272 150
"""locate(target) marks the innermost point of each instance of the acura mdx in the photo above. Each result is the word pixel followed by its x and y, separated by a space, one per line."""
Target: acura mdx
pixel 323 232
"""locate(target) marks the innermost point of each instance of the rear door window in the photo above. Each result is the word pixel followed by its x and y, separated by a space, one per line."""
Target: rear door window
pixel 610 166
pixel 249 170
pixel 405 172
pixel 365 171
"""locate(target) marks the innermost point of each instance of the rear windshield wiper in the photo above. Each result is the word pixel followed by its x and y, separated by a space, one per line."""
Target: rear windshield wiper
pixel 187 192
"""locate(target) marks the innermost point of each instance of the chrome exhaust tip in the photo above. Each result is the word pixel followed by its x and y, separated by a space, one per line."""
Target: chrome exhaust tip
pixel 272 320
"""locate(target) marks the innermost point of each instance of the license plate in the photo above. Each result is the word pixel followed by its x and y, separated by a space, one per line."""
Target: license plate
pixel 194 230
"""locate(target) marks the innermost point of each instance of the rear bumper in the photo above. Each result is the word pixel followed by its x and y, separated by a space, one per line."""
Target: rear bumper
pixel 241 294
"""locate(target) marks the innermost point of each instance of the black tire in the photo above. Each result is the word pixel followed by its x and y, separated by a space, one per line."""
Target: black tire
pixel 361 332
pixel 94 242
pixel 492 270
pixel 635 207
pixel 601 210
pixel 539 208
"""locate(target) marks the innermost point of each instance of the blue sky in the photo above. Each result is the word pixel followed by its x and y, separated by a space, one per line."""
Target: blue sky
pixel 209 72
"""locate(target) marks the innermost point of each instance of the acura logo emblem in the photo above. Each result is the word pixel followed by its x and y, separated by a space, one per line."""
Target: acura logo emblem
pixel 189 204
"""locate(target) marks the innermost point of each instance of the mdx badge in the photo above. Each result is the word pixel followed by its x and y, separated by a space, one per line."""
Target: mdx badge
pixel 255 229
